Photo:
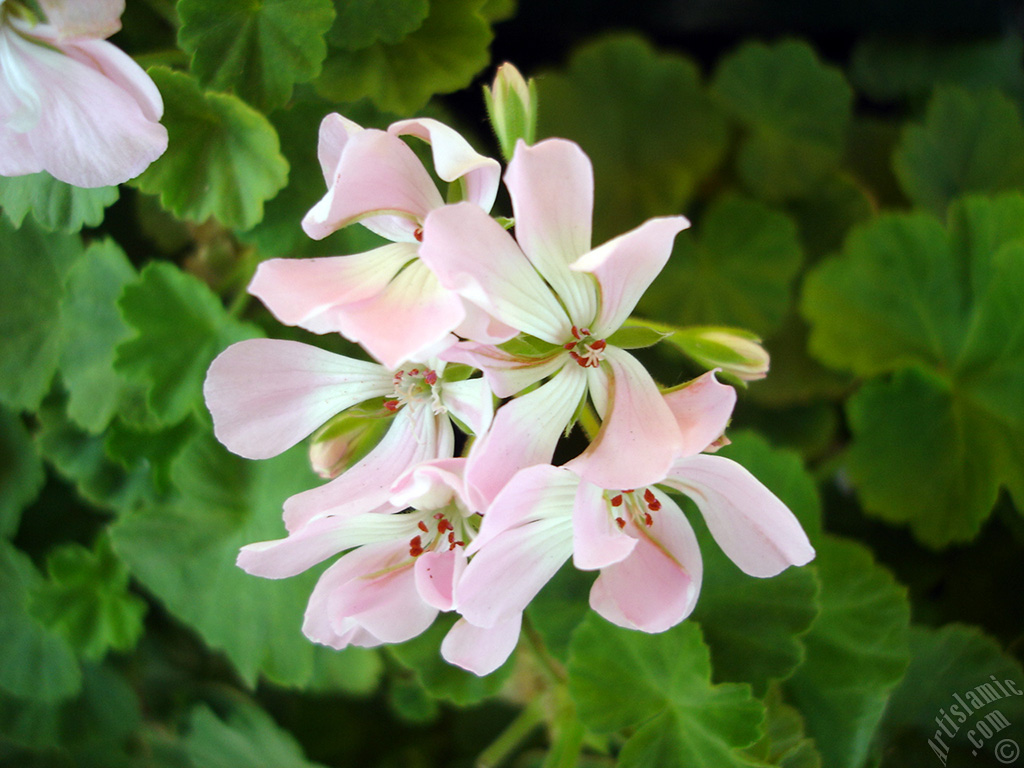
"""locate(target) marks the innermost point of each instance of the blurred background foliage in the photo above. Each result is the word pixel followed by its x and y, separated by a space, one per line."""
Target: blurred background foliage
pixel 855 177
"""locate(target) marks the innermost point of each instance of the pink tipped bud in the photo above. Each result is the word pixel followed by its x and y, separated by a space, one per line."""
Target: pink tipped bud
pixel 512 107
pixel 737 352
pixel 343 441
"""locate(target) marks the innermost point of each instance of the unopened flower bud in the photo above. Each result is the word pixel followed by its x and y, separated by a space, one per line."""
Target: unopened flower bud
pixel 343 441
pixel 737 352
pixel 512 107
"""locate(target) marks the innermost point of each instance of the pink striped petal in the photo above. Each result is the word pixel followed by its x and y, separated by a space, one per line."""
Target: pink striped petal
pixel 638 438
pixel 597 540
pixel 552 188
pixel 366 486
pixel 524 432
pixel 503 284
pixel 265 395
pixel 313 293
pixel 96 18
pixel 657 586
pixel 480 650
pixel 455 159
pixel 750 524
pixel 376 174
pixel 702 409
pixel 480 326
pixel 507 374
pixel 626 266
pixel 411 319
pixel 471 402
pixel 430 484
pixel 436 574
pixel 335 131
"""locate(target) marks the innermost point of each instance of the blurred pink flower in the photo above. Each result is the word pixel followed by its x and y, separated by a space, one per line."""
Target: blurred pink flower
pixel 72 104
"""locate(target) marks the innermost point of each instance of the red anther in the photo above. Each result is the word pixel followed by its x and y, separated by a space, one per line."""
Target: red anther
pixel 460 543
pixel 416 546
pixel 617 500
pixel 430 377
pixel 598 345
pixel 648 519
pixel 576 332
pixel 423 527
pixel 621 523
pixel 391 405
pixel 585 331
pixel 438 515
pixel 445 525
pixel 654 506
pixel 629 490
pixel 649 496
pixel 451 538
pixel 415 371
pixel 575 356
pixel 569 345
pixel 418 234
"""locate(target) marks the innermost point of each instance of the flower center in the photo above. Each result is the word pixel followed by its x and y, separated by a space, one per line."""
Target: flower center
pixel 440 535
pixel 587 351
pixel 415 386
pixel 632 505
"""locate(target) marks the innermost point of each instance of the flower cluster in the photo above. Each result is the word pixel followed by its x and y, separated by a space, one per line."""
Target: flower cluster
pixel 461 314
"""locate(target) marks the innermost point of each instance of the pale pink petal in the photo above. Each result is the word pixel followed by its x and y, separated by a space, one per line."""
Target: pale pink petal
pixel 657 586
pixel 702 409
pixel 366 485
pixel 552 188
pixel 411 319
pixel 507 374
pixel 625 266
pixel 121 69
pixel 638 438
pixel 429 484
pixel 68 118
pixel 455 159
pixel 267 394
pixel 480 326
pixel 388 605
pixel 322 538
pixel 524 432
pixel 750 524
pixel 376 174
pixel 436 574
pixel 597 540
pixel 473 255
pixel 335 131
pixel 311 293
pixel 480 650
pixel 505 575
pixel 471 402
pixel 81 18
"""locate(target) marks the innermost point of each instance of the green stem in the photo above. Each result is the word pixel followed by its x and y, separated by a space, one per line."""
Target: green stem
pixel 517 731
pixel 550 664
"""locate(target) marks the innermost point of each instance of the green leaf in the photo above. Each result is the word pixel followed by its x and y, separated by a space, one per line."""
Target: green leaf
pixel 362 23
pixel 422 656
pixel 93 328
pixel 888 69
pixel 939 307
pixel 30 321
pixel 35 663
pixel 246 736
pixel 223 157
pixel 86 600
pixel 225 502
pixel 968 143
pixel 54 205
pixel 857 653
pixel 795 111
pixel 681 719
pixel 440 56
pixel 736 270
pixel 559 608
pixel 257 50
pixel 785 743
pixel 957 677
pixel 180 327
pixel 642 167
pixel 829 211
pixel 21 471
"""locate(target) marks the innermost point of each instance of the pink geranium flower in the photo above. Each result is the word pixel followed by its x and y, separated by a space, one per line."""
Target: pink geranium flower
pixel 265 395
pixel 549 284
pixel 639 538
pixel 71 103
pixel 386 299
pixel 403 563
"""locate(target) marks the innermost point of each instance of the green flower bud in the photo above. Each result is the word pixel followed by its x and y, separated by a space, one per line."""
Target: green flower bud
pixel 737 352
pixel 512 107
